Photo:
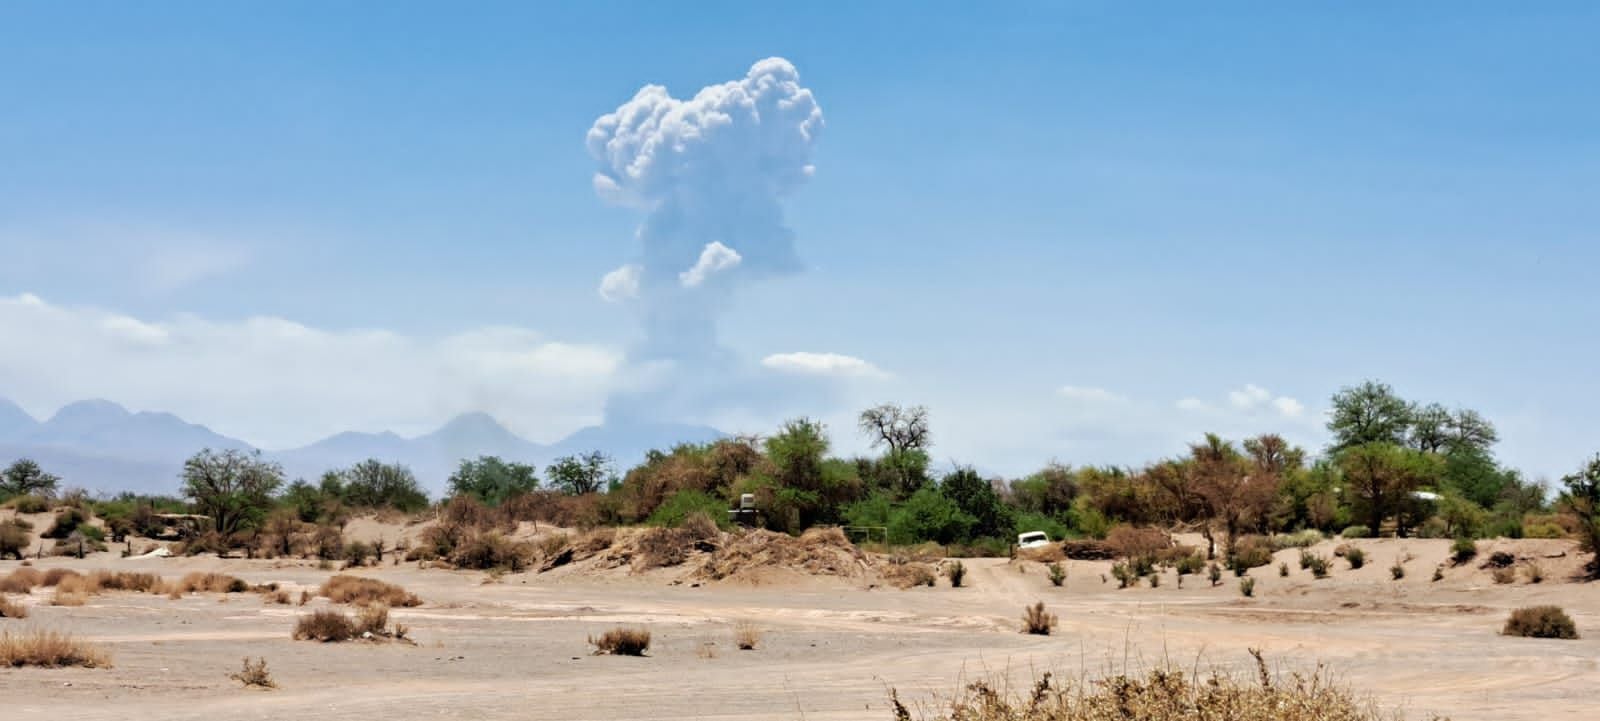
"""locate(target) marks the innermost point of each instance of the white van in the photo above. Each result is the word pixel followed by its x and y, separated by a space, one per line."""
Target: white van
pixel 1033 539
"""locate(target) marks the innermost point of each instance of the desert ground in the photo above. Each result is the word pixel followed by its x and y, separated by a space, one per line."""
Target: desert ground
pixel 515 646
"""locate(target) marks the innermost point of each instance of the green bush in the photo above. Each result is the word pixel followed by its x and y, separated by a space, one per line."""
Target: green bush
pixel 1356 557
pixel 684 504
pixel 1124 574
pixel 1058 573
pixel 1319 566
pixel 1247 586
pixel 1299 539
pixel 67 521
pixel 30 504
pixel 1192 563
pixel 929 516
pixel 1357 532
pixel 1463 550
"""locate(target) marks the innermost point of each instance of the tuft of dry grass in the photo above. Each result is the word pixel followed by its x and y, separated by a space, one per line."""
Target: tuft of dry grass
pixel 21 580
pixel 1037 621
pixel 622 642
pixel 746 636
pixel 1534 572
pixel 1540 622
pixel 1058 573
pixel 364 591
pixel 69 598
pixel 12 609
pixel 1504 574
pixel 1164 694
pixel 49 649
pixel 373 619
pixel 210 583
pixel 324 625
pixel 280 597
pixel 54 576
pixel 254 675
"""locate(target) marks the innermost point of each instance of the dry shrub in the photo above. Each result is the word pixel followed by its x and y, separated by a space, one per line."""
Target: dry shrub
pixel 904 574
pixel 210 583
pixel 1500 559
pixel 1161 695
pixel 1137 542
pixel 365 591
pixel 373 619
pixel 1504 575
pixel 1251 552
pixel 622 642
pixel 1058 573
pixel 553 507
pixel 22 580
pixel 1540 622
pixel 280 597
pixel 69 598
pixel 1042 554
pixel 957 573
pixel 1037 621
pixel 1088 550
pixel 54 576
pixel 14 538
pixel 490 550
pixel 1534 572
pixel 12 609
pixel 324 625
pixel 254 674
pixel 746 636
pixel 49 649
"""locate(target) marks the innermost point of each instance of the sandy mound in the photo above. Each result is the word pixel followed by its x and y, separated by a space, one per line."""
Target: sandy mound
pixel 818 552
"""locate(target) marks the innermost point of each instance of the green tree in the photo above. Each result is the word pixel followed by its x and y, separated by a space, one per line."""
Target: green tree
pixel 492 480
pixel 929 516
pixel 1049 491
pixel 976 498
pixel 581 474
pixel 375 484
pixel 1581 498
pixel 1368 413
pixel 234 488
pixel 1382 476
pixel 25 477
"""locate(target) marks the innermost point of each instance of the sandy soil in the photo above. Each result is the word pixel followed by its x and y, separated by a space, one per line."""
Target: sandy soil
pixel 517 649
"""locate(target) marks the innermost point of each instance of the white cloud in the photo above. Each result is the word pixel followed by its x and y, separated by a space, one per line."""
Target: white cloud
pixel 1289 406
pixel 279 383
pixel 1088 394
pixel 621 284
pixel 822 364
pixel 714 258
pixel 1248 397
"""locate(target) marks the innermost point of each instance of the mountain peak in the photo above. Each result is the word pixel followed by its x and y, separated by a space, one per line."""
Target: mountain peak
pixel 90 411
pixel 13 420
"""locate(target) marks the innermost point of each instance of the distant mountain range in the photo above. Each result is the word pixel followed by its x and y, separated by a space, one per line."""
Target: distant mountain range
pixel 101 446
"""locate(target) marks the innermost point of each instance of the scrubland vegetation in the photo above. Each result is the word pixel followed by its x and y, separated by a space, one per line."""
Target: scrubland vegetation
pixel 1166 694
pixel 48 649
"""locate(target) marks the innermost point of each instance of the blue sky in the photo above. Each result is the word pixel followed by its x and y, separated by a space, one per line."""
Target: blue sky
pixel 1179 214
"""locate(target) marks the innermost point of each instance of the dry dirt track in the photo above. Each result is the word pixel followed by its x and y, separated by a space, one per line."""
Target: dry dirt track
pixel 516 649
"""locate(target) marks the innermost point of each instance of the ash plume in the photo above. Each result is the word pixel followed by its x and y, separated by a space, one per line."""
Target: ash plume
pixel 709 173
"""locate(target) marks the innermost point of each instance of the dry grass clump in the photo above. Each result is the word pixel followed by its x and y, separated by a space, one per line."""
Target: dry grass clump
pixel 1058 574
pixel 746 636
pixel 22 580
pixel 1037 621
pixel 622 642
pixel 54 576
pixel 365 591
pixel 1534 572
pixel 1540 622
pixel 1160 695
pixel 69 598
pixel 49 649
pixel 907 574
pixel 210 583
pixel 254 675
pixel 1504 574
pixel 373 619
pixel 326 626
pixel 12 609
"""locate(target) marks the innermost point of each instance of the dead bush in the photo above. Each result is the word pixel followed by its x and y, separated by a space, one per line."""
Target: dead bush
pixel 325 625
pixel 490 550
pixel 254 675
pixel 1088 550
pixel 22 580
pixel 1540 622
pixel 1136 542
pixel 1037 621
pixel 210 583
pixel 373 619
pixel 14 539
pixel 364 591
pixel 69 598
pixel 622 642
pixel 54 576
pixel 1504 575
pixel 908 574
pixel 49 649
pixel 746 636
pixel 12 609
